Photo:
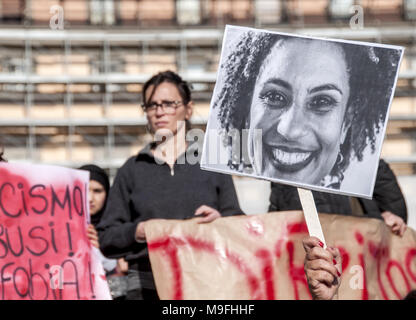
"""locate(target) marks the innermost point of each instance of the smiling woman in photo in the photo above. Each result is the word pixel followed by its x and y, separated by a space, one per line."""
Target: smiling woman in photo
pixel 318 104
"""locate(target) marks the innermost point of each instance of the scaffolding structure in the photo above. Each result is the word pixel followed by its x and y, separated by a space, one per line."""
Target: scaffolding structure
pixel 72 96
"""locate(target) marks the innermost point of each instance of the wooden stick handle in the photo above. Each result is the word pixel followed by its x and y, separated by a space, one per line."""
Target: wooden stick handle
pixel 311 214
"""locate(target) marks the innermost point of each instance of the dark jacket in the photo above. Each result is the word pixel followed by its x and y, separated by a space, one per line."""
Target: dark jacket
pixel 387 196
pixel 144 190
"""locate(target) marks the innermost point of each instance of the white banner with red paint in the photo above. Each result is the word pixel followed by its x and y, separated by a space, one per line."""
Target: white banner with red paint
pixel 261 257
pixel 44 250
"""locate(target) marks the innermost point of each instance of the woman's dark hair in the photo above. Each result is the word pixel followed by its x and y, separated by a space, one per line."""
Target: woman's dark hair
pixel 98 174
pixel 171 77
pixel 368 67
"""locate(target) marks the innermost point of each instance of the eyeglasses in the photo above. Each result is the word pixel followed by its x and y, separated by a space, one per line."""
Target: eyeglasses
pixel 168 107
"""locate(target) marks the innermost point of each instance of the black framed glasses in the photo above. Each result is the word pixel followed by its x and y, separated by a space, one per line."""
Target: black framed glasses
pixel 168 106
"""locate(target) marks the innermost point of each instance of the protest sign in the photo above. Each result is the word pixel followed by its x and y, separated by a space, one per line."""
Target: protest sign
pixel 303 111
pixel 261 257
pixel 44 249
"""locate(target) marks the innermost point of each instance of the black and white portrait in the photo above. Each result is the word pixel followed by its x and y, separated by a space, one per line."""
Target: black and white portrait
pixel 303 111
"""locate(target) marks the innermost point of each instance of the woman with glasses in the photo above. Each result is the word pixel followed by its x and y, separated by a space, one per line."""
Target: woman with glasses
pixel 160 183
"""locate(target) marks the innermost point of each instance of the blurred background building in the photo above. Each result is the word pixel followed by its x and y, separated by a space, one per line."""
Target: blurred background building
pixel 71 71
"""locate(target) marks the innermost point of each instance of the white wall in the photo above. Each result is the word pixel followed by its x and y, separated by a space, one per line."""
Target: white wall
pixel 253 194
pixel 408 186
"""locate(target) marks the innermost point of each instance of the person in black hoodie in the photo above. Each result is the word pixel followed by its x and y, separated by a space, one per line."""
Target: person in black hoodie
pixel 388 203
pixel 99 185
pixel 161 182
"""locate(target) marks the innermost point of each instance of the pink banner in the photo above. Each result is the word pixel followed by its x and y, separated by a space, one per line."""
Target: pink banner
pixel 44 249
pixel 261 257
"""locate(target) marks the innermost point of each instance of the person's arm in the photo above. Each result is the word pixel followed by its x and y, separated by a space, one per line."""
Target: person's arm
pixel 227 197
pixel 394 222
pixel 227 201
pixel 116 229
pixel 93 236
pixel 322 268
pixel 388 201
pixel 387 192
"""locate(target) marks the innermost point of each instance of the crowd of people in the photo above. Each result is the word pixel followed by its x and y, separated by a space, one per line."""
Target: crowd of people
pixel 145 189
pixel 157 184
